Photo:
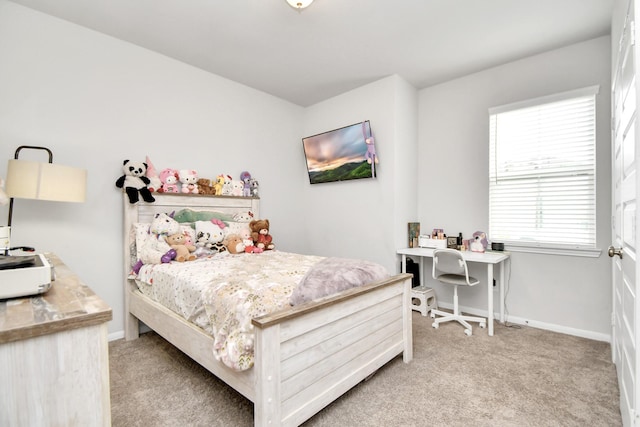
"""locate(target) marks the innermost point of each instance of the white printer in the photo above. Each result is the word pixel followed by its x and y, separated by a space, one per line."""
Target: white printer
pixel 24 275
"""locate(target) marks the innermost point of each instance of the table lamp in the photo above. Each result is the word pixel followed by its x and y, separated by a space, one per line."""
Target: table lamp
pixel 43 181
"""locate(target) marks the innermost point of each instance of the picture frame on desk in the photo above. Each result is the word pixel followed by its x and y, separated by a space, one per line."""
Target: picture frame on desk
pixel 452 242
pixel 413 233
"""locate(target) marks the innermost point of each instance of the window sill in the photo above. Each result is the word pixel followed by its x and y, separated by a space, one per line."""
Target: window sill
pixel 577 252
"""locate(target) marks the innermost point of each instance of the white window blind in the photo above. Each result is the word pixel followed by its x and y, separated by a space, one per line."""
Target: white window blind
pixel 542 171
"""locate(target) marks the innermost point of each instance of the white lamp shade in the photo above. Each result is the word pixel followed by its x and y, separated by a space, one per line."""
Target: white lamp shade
pixel 45 181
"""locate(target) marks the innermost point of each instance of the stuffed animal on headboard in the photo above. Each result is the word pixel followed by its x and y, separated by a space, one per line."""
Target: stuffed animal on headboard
pixel 227 187
pixel 189 180
pixel 205 187
pixel 154 180
pixel 245 177
pixel 217 186
pixel 169 179
pixel 134 181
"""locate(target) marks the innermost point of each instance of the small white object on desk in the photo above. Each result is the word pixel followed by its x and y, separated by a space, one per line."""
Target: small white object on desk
pixel 425 241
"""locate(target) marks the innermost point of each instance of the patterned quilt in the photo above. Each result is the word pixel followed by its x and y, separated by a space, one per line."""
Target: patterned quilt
pixel 222 293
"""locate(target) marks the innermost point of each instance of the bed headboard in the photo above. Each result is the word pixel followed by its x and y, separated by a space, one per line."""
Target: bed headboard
pixel 169 202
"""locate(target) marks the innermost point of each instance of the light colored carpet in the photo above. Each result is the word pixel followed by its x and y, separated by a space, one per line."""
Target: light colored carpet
pixel 518 377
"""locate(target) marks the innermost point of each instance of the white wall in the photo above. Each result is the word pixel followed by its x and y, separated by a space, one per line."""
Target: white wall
pixel 96 101
pixel 359 218
pixel 565 293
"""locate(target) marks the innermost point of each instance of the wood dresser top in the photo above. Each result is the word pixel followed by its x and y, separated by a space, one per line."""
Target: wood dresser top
pixel 69 304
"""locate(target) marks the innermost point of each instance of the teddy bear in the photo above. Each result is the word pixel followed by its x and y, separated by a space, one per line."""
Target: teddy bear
pixel 479 242
pixel 205 187
pixel 177 243
pixel 134 181
pixel 234 244
pixel 155 249
pixel 169 179
pixel 260 234
pixel 189 180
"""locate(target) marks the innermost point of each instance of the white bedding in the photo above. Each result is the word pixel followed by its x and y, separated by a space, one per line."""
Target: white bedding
pixel 222 293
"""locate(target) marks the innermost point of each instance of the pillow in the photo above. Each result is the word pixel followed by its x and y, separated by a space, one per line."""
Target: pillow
pixel 241 228
pixel 189 215
pixel 333 275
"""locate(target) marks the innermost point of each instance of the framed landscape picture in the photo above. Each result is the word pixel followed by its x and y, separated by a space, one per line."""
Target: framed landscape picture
pixel 339 154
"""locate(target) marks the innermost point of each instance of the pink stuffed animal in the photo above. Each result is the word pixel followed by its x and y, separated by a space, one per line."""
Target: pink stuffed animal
pixel 479 242
pixel 169 179
pixel 154 180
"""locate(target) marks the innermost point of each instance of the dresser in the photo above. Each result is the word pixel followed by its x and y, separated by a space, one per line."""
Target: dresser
pixel 54 356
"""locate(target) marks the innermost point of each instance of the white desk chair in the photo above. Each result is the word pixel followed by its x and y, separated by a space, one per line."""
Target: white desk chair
pixel 450 267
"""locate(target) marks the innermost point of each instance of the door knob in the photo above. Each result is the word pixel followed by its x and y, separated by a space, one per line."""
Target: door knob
pixel 615 251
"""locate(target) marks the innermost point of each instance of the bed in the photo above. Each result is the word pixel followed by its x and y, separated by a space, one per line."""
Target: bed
pixel 305 356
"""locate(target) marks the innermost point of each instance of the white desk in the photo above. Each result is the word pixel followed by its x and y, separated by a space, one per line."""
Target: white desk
pixel 489 258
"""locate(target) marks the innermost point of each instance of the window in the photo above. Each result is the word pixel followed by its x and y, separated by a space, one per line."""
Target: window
pixel 542 172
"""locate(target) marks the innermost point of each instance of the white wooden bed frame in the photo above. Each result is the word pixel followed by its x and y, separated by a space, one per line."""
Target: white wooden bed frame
pixel 306 356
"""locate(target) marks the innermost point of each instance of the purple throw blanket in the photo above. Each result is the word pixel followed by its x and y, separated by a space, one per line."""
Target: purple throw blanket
pixel 333 275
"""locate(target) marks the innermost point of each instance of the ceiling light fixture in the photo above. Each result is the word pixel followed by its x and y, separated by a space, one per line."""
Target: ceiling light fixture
pixel 299 4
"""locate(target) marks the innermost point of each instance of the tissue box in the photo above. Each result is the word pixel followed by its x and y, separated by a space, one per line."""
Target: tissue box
pixel 426 241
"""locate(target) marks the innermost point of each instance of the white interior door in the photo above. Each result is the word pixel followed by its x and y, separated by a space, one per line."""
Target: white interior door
pixel 624 231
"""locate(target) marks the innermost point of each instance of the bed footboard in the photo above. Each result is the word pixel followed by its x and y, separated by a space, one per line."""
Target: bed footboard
pixel 309 356
pixel 305 357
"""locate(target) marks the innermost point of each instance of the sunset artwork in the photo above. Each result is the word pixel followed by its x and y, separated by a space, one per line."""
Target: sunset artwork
pixel 338 155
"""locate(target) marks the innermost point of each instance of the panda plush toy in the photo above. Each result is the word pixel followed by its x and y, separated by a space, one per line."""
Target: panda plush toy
pixel 134 181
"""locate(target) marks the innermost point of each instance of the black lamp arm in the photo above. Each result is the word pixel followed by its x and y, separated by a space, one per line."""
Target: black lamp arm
pixel 33 147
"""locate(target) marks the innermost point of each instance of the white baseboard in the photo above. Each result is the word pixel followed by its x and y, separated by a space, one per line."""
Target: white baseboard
pixel 115 335
pixel 597 336
pixel 483 313
pixel 120 334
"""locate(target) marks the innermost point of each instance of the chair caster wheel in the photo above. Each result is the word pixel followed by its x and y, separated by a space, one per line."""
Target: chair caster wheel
pixel 467 332
pixel 433 315
pixel 483 325
pixel 435 325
